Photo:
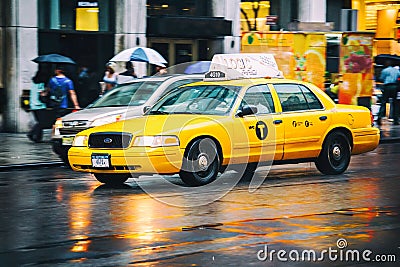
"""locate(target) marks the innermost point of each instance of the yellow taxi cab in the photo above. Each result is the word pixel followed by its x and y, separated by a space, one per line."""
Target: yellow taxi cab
pixel 230 119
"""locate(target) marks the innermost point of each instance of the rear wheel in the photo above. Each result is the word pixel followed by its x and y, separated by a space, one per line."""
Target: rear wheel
pixel 112 179
pixel 335 154
pixel 201 163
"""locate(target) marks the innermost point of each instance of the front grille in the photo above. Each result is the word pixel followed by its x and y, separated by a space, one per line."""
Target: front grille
pixel 79 123
pixel 67 131
pixel 110 140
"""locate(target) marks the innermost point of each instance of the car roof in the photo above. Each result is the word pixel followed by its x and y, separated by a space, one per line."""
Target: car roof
pixel 161 78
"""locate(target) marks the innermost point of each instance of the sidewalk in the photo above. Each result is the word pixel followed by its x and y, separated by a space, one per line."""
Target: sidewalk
pixel 17 151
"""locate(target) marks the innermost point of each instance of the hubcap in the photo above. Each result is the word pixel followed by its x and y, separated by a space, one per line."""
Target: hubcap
pixel 336 152
pixel 203 162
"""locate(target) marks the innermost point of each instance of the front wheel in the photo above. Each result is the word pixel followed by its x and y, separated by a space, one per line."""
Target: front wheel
pixel 111 179
pixel 335 154
pixel 201 163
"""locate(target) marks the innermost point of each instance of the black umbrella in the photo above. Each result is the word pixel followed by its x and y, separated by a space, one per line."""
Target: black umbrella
pixel 383 58
pixel 53 58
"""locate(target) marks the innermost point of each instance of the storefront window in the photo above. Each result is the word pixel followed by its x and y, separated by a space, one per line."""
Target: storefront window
pixel 76 15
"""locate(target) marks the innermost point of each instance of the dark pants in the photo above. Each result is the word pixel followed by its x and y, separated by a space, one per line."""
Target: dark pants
pixel 36 133
pixel 45 118
pixel 389 91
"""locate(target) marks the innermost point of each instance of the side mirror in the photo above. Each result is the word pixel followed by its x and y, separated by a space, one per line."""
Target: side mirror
pixel 247 110
pixel 146 108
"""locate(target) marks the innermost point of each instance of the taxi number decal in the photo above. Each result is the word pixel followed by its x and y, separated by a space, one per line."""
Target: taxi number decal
pixel 300 123
pixel 261 130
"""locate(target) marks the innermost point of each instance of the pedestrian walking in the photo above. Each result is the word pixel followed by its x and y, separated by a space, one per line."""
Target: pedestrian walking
pixel 60 89
pixel 87 89
pixel 161 69
pixel 128 75
pixel 110 77
pixel 389 77
pixel 130 70
pixel 37 106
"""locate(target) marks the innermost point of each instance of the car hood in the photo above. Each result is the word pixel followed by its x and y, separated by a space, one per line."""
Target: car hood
pixel 91 114
pixel 161 124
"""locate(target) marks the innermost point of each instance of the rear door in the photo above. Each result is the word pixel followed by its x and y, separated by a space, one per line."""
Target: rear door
pixel 305 121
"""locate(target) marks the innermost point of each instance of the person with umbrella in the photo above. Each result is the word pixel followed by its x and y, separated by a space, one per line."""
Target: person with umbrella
pixel 161 69
pixel 37 106
pixel 389 76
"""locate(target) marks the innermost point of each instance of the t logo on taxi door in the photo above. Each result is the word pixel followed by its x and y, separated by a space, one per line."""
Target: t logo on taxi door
pixel 261 130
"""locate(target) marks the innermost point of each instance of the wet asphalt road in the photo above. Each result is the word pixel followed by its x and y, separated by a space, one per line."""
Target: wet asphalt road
pixel 56 217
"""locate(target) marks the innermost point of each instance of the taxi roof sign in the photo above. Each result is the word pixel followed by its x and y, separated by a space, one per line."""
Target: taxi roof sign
pixel 239 66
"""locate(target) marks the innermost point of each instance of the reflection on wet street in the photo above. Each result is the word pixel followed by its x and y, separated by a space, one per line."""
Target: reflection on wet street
pixel 55 217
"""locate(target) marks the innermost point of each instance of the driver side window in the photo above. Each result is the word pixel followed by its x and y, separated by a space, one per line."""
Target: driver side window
pixel 260 97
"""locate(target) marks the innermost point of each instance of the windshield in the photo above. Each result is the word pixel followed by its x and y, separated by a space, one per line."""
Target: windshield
pixel 201 99
pixel 133 94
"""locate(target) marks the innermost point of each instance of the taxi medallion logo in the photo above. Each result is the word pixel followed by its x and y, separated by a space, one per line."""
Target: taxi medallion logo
pixel 340 253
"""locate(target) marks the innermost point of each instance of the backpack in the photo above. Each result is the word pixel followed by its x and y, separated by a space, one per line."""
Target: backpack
pixel 56 94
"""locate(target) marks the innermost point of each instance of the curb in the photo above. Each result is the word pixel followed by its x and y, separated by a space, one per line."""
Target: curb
pixel 31 165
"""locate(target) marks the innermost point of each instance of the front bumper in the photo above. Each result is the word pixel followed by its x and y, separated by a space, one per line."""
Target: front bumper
pixel 141 160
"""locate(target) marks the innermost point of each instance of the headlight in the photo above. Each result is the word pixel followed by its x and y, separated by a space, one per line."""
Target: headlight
pixel 156 141
pixel 80 140
pixel 56 127
pixel 105 120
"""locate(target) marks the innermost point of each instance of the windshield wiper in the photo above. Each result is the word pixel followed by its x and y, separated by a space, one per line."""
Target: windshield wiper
pixel 158 112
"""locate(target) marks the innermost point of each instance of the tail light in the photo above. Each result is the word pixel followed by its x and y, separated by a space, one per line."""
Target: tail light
pixel 372 117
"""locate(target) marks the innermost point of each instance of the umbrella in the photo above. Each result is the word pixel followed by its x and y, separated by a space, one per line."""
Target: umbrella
pixel 383 58
pixel 198 67
pixel 53 58
pixel 141 54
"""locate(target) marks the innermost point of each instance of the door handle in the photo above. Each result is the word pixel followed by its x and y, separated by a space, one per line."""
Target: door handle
pixel 323 118
pixel 277 121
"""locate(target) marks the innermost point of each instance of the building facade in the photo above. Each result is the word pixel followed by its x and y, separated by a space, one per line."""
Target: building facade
pixel 91 32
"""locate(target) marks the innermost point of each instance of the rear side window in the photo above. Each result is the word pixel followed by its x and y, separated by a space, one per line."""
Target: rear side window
pixel 312 100
pixel 294 97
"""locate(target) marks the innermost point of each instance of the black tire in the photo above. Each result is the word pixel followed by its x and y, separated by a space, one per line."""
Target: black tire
pixel 111 179
pixel 61 151
pixel 64 157
pixel 201 163
pixel 335 155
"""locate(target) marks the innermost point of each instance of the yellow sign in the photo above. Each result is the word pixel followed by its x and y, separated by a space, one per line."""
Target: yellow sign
pixel 87 16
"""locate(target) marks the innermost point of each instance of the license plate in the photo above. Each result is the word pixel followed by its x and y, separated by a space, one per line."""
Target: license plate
pixel 101 160
pixel 67 140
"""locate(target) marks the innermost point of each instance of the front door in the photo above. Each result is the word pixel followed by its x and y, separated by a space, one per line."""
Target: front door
pixel 257 136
